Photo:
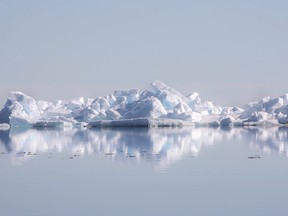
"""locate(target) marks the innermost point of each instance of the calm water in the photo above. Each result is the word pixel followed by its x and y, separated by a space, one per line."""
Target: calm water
pixel 186 171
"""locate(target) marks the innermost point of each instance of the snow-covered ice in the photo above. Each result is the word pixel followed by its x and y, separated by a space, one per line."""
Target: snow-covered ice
pixel 162 106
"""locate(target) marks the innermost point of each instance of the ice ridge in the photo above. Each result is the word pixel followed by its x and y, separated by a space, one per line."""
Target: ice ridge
pixel 162 106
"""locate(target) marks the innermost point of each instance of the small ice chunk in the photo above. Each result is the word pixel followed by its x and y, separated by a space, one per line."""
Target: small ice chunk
pixel 273 104
pixel 112 114
pixel 146 94
pixel 167 95
pixel 100 103
pixel 130 94
pixel 227 121
pixel 193 99
pixel 283 109
pixel 283 120
pixel 111 99
pixel 150 107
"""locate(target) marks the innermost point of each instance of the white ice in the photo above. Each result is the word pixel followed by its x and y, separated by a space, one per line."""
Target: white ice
pixel 161 106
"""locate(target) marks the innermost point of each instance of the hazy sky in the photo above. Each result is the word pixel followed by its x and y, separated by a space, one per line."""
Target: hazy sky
pixel 230 52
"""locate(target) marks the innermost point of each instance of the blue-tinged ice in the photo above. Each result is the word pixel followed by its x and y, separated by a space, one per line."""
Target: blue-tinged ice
pixel 161 106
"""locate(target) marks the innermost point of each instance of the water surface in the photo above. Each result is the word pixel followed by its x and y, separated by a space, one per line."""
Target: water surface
pixel 140 171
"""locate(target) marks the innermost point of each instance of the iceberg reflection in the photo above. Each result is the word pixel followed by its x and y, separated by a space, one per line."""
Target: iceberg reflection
pixel 161 146
pixel 269 140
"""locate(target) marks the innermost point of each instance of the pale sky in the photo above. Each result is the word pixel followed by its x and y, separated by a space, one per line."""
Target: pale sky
pixel 231 52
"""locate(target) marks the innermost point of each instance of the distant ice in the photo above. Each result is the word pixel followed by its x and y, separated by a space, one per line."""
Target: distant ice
pixel 161 107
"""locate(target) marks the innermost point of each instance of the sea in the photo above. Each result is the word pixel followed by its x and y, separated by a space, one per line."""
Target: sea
pixel 144 171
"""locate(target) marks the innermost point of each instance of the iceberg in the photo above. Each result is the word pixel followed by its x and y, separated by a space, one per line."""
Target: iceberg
pixel 20 109
pixel 161 106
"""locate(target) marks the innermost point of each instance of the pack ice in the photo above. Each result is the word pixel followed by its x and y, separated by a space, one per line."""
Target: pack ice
pixel 161 106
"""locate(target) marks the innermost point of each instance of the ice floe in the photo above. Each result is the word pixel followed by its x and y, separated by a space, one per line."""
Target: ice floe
pixel 162 106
